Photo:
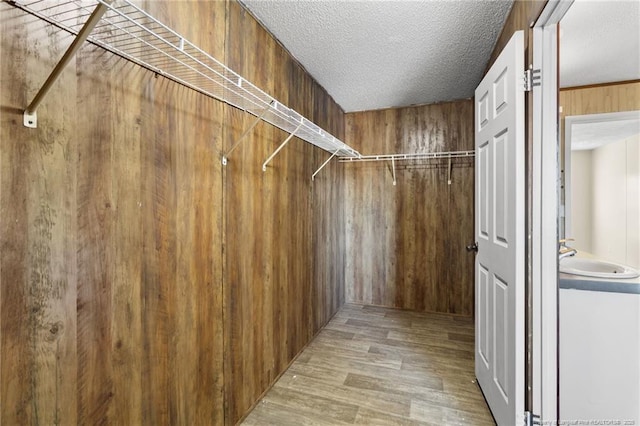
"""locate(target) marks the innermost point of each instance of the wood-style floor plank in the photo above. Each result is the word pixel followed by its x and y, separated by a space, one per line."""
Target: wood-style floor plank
pixel 379 366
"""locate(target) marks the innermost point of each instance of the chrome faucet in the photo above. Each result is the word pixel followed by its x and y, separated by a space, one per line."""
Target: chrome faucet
pixel 564 250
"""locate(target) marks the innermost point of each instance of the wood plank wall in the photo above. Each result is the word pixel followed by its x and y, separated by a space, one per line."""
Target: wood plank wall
pixel 122 237
pixel 406 243
pixel 283 273
pixel 599 99
pixel 329 222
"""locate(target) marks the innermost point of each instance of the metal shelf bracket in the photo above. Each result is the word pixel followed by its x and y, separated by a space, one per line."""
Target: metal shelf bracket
pixel 286 141
pixel 324 164
pixel 393 169
pixel 246 132
pixel 30 116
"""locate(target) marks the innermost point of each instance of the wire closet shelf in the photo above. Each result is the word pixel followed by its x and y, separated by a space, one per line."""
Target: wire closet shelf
pixel 132 33
pixel 128 31
pixel 393 158
pixel 409 157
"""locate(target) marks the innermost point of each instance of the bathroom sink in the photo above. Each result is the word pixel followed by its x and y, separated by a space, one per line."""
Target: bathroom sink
pixel 596 268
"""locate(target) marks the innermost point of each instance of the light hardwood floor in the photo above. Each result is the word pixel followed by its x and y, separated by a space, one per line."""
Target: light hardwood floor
pixel 379 366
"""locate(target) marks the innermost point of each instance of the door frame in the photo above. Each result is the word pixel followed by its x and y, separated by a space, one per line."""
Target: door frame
pixel 545 189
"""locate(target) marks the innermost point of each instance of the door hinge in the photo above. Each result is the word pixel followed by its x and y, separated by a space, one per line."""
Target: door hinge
pixel 531 419
pixel 531 79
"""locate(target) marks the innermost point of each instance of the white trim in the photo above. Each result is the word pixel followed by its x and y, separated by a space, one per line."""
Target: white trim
pixel 545 188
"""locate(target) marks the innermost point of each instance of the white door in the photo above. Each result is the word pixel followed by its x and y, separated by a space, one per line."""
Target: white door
pixel 500 226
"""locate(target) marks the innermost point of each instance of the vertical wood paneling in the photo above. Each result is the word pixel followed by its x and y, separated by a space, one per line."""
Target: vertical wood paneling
pixel 369 206
pixel 200 237
pixel 299 212
pixel 17 368
pixel 111 234
pixel 244 249
pixel 52 249
pixel 126 327
pixel 185 191
pixel 405 243
pixel 116 220
pixel 37 265
pixel 162 310
pixel 282 292
pixel 271 296
pixel 328 217
pixel 159 263
pixel 94 236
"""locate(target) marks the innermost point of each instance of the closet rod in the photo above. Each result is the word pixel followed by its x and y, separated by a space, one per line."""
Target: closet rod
pixel 30 115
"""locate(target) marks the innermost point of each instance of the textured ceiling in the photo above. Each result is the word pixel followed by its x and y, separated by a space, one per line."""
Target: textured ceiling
pixel 600 42
pixel 591 135
pixel 378 54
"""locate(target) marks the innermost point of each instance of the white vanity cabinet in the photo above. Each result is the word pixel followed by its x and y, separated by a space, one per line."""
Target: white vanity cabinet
pixel 599 344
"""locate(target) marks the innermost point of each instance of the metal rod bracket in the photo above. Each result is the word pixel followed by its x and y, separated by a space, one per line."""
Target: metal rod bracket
pixel 264 165
pixel 247 130
pixel 324 164
pixel 30 118
pixel 393 167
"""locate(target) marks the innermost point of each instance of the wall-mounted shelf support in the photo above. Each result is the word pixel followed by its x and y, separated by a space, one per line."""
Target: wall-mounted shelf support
pixel 393 170
pixel 286 141
pixel 30 114
pixel 246 131
pixel 324 164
